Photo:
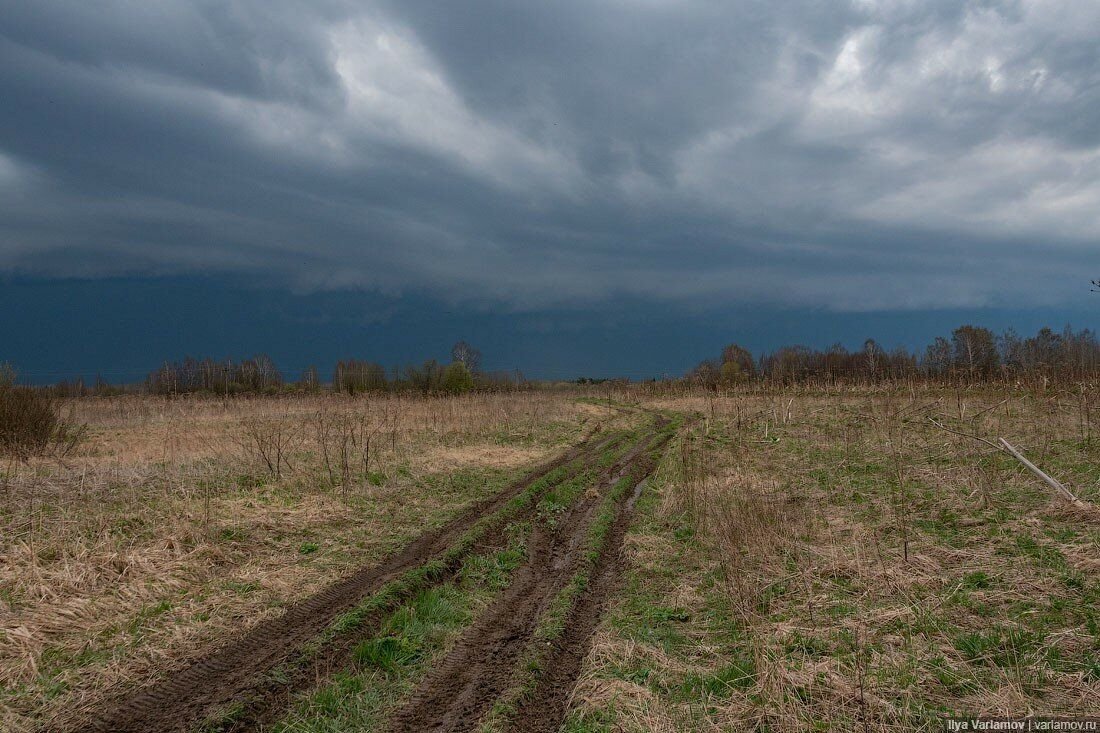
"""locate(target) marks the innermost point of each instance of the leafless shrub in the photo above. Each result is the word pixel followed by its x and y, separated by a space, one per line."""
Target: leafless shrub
pixel 269 440
pixel 345 440
pixel 31 422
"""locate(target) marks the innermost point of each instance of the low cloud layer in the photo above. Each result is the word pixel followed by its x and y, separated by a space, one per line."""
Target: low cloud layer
pixel 861 156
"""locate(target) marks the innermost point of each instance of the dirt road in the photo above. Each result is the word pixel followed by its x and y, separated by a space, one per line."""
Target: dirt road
pixel 483 665
pixel 475 672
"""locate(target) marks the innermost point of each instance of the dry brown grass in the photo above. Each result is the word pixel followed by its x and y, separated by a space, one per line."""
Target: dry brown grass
pixel 868 568
pixel 167 527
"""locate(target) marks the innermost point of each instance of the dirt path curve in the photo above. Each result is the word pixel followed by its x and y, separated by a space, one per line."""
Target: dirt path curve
pixel 482 665
pixel 187 695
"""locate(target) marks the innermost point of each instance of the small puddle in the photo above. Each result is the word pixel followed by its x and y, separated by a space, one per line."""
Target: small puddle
pixel 637 493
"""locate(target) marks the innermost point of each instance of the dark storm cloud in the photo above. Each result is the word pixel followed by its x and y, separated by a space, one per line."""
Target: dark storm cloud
pixel 862 155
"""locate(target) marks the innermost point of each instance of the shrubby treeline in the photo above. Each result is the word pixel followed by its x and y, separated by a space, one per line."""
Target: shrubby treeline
pixel 971 354
pixel 259 375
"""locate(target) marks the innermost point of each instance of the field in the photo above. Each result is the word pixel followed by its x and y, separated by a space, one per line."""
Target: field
pixel 650 559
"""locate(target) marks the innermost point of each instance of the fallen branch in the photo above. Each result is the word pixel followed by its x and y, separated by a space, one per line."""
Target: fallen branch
pixel 1057 485
pixel 979 438
pixel 1006 447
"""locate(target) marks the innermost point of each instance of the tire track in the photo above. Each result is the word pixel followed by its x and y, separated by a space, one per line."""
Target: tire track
pixel 267 702
pixel 218 678
pixel 544 710
pixel 482 665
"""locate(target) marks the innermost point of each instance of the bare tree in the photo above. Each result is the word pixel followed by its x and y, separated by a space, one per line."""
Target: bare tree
pixel 874 355
pixel 468 355
pixel 975 351
pixel 309 379
pixel 353 376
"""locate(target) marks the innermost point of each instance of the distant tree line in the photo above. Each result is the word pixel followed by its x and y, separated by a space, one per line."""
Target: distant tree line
pixel 259 375
pixel 430 377
pixel 972 354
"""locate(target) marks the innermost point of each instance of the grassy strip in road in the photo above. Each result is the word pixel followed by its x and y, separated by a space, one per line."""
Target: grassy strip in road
pixel 553 624
pixel 554 621
pixel 388 665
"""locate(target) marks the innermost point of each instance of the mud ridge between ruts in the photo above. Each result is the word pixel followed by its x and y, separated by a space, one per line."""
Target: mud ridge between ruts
pixel 481 666
pixel 544 710
pixel 210 682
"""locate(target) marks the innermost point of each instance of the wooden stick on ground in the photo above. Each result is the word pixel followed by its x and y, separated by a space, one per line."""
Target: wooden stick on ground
pixel 1036 470
pixel 1006 447
pixel 979 438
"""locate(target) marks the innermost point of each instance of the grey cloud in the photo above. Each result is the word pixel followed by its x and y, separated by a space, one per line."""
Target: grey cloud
pixel 859 156
pixel 260 50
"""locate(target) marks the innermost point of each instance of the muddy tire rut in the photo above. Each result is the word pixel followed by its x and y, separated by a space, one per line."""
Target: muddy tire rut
pixel 483 664
pixel 237 671
pixel 545 709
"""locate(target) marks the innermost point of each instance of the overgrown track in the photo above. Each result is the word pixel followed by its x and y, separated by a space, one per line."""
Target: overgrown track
pixel 231 673
pixel 267 702
pixel 544 709
pixel 483 664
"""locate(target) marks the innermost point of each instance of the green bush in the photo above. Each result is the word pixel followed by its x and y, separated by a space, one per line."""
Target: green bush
pixel 457 378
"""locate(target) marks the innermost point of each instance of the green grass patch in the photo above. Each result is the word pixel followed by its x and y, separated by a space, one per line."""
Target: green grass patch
pixel 388 664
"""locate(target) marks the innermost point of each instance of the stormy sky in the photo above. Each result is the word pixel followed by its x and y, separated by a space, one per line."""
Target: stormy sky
pixel 638 176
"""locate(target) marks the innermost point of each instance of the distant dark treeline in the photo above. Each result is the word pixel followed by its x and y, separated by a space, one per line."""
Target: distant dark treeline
pixel 972 354
pixel 259 375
